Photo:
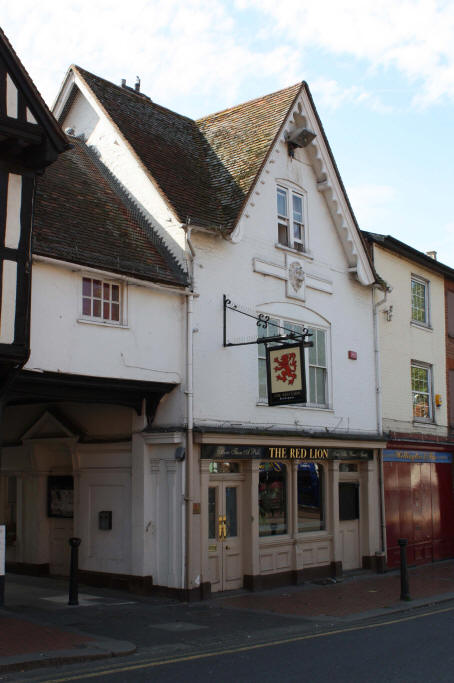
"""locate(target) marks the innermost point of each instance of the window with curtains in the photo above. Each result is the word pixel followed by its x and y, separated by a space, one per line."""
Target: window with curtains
pixel 102 300
pixel 291 230
pixel 421 391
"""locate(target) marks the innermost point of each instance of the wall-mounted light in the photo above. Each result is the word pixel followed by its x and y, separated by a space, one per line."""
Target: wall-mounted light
pixel 300 137
pixel 388 313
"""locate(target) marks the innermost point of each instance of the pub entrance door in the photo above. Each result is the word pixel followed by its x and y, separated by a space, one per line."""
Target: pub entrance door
pixel 224 535
pixel 349 524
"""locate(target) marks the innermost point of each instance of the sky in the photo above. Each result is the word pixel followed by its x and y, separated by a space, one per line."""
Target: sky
pixel 381 73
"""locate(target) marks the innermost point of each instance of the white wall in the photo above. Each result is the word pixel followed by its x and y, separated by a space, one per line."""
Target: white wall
pixel 105 485
pixel 148 347
pixel 226 379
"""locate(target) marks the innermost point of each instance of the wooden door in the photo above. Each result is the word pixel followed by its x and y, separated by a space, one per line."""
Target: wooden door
pixel 349 524
pixel 224 535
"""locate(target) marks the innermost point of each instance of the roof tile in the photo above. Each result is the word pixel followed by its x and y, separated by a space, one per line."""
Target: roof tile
pixel 79 216
pixel 205 168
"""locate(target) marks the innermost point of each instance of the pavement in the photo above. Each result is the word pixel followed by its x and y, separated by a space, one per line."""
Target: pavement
pixel 38 628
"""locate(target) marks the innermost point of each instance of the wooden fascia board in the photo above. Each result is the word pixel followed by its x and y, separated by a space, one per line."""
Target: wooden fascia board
pixel 342 192
pixel 412 255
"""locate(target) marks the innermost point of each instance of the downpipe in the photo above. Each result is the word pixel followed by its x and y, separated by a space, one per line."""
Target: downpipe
pixel 189 493
pixel 379 406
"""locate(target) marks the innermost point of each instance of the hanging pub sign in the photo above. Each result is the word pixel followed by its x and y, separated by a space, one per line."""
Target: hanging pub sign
pixel 285 374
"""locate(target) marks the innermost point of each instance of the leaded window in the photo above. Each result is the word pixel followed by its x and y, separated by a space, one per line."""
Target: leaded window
pixel 421 389
pixel 419 301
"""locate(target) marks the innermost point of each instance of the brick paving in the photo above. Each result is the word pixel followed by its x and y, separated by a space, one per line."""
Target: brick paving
pixel 353 596
pixel 28 643
pixel 19 637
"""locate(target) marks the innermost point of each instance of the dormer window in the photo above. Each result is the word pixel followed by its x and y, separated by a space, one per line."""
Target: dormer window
pixel 290 222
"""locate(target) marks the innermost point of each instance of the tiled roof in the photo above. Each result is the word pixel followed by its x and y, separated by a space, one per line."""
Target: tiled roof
pixel 80 216
pixel 205 168
pixel 239 139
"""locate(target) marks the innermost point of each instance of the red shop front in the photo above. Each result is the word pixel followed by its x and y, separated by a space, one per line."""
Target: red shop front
pixel 419 505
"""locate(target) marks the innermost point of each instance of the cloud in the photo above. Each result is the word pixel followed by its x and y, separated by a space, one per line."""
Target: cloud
pixel 413 36
pixel 190 48
pixel 330 94
pixel 200 47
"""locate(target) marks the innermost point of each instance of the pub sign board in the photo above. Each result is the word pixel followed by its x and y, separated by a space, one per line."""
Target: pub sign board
pixel 286 375
pixel 277 452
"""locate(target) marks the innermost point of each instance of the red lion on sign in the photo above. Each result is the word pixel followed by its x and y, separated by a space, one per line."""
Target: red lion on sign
pixel 286 366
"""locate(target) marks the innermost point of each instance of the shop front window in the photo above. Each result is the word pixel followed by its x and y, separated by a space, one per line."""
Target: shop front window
pixel 310 497
pixel 272 499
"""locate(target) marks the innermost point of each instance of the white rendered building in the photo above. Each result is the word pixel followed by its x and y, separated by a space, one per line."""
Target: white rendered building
pixel 251 202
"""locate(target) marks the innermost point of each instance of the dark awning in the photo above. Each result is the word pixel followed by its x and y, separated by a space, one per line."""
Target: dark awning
pixel 53 387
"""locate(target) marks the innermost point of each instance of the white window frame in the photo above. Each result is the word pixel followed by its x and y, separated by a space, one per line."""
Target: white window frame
pixel 288 221
pixel 290 324
pixel 428 369
pixel 425 283
pixel 101 320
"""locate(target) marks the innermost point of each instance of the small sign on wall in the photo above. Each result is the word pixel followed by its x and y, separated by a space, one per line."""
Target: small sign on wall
pixel 60 495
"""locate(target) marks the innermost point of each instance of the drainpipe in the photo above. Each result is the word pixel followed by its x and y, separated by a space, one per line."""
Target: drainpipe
pixel 378 404
pixel 189 412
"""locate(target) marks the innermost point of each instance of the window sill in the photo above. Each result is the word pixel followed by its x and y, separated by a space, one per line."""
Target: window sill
pixel 103 323
pixel 298 406
pixel 290 250
pixel 425 423
pixel 421 326
pixel 277 539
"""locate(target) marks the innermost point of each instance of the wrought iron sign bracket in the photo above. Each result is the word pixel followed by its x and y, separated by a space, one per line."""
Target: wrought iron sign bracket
pixel 262 322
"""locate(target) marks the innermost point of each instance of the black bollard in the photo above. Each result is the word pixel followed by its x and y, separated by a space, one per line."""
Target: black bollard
pixel 404 587
pixel 73 581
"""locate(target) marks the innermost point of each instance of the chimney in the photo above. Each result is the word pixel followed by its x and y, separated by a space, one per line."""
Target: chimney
pixel 123 82
pixel 432 254
pixel 137 84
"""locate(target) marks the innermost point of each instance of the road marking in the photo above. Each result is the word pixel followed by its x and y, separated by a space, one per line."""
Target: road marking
pixel 148 664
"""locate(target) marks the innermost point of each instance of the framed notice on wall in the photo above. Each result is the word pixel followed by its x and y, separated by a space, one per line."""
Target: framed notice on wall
pixel 286 374
pixel 60 496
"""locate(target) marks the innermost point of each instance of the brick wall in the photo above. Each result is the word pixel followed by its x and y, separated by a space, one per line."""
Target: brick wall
pixel 449 311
